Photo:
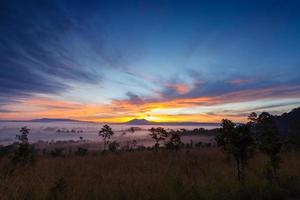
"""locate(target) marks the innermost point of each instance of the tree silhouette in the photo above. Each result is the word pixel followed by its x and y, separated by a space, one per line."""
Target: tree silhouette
pixel 252 118
pixel 175 140
pixel 252 123
pixel 113 146
pixel 238 142
pixel 294 134
pixel 25 153
pixel 158 134
pixel 269 142
pixel 105 132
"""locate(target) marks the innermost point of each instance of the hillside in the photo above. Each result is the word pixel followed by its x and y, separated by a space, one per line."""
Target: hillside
pixel 286 121
pixel 146 122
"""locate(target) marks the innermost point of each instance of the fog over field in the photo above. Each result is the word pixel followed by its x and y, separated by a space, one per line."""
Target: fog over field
pixel 66 131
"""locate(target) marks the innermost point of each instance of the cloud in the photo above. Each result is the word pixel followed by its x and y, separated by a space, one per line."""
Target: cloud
pixel 51 47
pixel 45 47
pixel 6 111
pixel 48 46
pixel 239 81
pixel 250 95
pixel 178 88
pixel 212 108
pixel 133 98
pixel 32 56
pixel 200 86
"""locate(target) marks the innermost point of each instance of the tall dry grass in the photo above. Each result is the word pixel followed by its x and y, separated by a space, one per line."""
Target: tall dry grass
pixel 194 174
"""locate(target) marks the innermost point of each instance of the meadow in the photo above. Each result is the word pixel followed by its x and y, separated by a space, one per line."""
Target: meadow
pixel 198 173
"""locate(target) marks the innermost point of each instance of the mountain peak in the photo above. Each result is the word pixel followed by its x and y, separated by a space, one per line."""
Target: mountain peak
pixel 138 122
pixel 53 120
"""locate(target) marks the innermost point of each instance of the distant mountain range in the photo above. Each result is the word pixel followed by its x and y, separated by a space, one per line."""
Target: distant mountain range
pixel 54 120
pixel 283 121
pixel 146 122
pixel 138 122
pixel 45 120
pixel 287 120
pixel 131 122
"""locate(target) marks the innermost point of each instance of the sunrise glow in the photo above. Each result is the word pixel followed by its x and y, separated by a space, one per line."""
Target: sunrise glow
pixel 157 61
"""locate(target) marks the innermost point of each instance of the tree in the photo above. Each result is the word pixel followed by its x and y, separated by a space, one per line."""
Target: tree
pixel 175 140
pixel 252 123
pixel 294 134
pixel 25 152
pixel 105 132
pixel 113 146
pixel 227 130
pixel 238 142
pixel 269 142
pixel 252 118
pixel 158 134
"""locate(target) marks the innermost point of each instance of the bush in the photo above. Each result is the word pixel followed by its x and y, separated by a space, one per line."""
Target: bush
pixel 81 151
pixel 175 142
pixel 292 186
pixel 58 190
pixel 199 144
pixel 25 154
pixel 57 152
pixel 113 146
pixel 141 148
pixel 6 150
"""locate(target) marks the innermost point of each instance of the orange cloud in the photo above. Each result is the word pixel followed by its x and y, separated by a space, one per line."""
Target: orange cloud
pixel 124 110
pixel 179 88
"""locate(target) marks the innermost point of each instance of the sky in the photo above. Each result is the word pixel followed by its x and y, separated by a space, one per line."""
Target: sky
pixel 113 61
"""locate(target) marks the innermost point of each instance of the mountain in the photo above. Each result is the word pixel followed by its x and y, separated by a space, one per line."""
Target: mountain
pixel 139 122
pixel 46 120
pixel 146 122
pixel 53 120
pixel 286 121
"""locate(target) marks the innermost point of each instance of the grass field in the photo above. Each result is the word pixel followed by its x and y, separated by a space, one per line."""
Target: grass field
pixel 195 174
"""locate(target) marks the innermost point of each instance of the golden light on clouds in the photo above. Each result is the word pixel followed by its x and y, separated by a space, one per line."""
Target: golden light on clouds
pixel 197 109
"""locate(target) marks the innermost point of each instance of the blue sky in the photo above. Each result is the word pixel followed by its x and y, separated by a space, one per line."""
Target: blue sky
pixel 137 57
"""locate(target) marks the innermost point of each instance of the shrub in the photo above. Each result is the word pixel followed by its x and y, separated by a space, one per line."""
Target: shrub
pixel 58 190
pixel 25 154
pixel 199 144
pixel 81 151
pixel 141 148
pixel 175 142
pixel 57 152
pixel 132 145
pixel 7 150
pixel 113 146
